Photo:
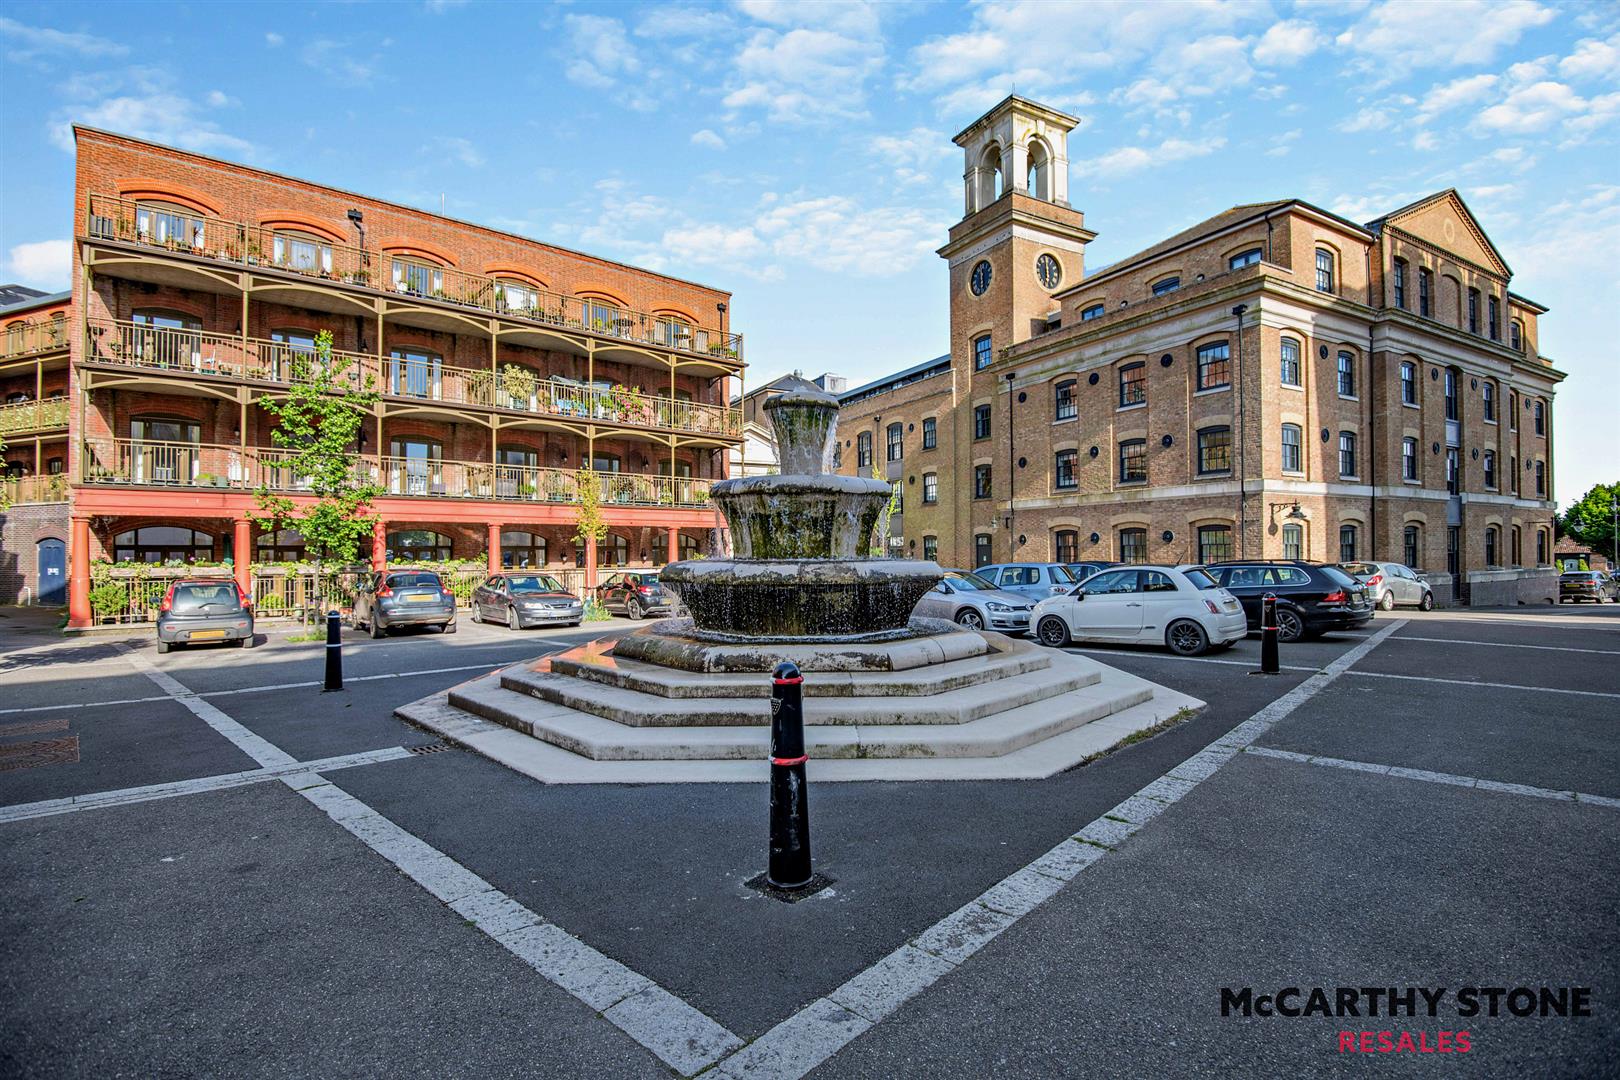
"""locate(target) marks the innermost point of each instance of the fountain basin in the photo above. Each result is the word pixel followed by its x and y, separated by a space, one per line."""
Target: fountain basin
pixel 800 600
pixel 801 517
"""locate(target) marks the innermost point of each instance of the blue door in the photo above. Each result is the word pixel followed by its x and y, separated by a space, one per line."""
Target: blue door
pixel 52 573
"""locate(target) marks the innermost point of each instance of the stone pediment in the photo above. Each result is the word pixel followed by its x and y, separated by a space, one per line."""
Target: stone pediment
pixel 1445 221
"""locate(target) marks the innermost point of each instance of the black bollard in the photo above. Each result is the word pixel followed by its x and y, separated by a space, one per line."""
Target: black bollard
pixel 334 652
pixel 1268 635
pixel 790 810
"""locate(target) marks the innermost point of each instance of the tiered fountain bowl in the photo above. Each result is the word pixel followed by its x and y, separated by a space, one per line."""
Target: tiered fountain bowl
pixel 887 696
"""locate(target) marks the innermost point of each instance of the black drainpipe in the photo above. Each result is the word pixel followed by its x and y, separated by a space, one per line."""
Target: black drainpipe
pixel 1243 434
pixel 1012 475
pixel 1372 416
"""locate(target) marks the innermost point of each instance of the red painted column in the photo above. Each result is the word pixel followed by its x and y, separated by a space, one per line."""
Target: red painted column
pixel 674 544
pixel 379 545
pixel 241 548
pixel 494 548
pixel 79 572
pixel 590 562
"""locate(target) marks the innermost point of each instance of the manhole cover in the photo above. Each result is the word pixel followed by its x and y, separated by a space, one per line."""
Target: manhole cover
pixel 31 755
pixel 32 727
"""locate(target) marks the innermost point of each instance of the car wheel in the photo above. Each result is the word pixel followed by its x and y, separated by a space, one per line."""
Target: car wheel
pixel 512 620
pixel 1052 632
pixel 1186 638
pixel 164 646
pixel 968 619
pixel 633 609
pixel 448 628
pixel 1290 627
pixel 576 622
pixel 1387 603
pixel 238 643
pixel 474 613
pixel 1427 603
pixel 375 627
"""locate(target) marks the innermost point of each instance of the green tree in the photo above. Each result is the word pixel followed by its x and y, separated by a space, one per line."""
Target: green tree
pixel 318 423
pixel 588 523
pixel 1590 519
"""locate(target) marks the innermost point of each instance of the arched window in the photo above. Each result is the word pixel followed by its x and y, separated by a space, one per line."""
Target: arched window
pixel 614 551
pixel 303 252
pixel 1489 462
pixel 1324 270
pixel 1490 546
pixel 1487 394
pixel 1516 546
pixel 1065 470
pixel 163 543
pixel 1039 183
pixel 863 450
pixel 1293 448
pixel 1293 541
pixel 1347 374
pixel 168 225
pixel 1067 546
pixel 1133 546
pixel 414 372
pixel 521 550
pixel 1214 543
pixel 1347 543
pixel 285 545
pixel 1290 373
pixel 417 278
pixel 1214 450
pixel 1412 546
pixel 517 297
pixel 418 545
pixel 1516 335
pixel 896 441
pixel 990 179
pixel 1538 410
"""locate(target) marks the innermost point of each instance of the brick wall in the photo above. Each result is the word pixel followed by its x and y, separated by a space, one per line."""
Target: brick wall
pixel 21 529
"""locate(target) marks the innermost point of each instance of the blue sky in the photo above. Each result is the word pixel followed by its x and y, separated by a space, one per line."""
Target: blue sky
pixel 800 154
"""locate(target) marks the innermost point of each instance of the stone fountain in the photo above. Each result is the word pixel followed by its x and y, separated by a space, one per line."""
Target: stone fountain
pixel 888 696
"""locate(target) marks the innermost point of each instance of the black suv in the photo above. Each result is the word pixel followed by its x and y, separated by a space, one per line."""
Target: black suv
pixel 1312 600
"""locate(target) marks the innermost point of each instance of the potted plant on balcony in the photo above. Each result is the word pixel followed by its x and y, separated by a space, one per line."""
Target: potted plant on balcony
pixel 253 252
pixel 518 384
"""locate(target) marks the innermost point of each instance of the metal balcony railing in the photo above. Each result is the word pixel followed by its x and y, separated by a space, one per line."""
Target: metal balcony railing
pixel 126 221
pixel 34 489
pixel 147 463
pixel 30 417
pixel 202 353
pixel 32 336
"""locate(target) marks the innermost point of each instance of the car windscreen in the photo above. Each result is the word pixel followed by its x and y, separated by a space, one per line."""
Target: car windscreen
pixel 968 582
pixel 1201 579
pixel 1060 574
pixel 405 581
pixel 1337 576
pixel 1579 575
pixel 205 599
pixel 1359 569
pixel 533 583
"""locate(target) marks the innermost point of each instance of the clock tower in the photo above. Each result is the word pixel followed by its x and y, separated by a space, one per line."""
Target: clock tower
pixel 1018 244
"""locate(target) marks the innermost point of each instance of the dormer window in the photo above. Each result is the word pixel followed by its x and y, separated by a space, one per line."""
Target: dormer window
pixel 1247 258
pixel 1168 285
pixel 165 223
pixel 1095 311
pixel 302 252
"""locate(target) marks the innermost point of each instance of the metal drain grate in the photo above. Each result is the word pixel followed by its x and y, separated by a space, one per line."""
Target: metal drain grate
pixel 32 727
pixel 31 755
pixel 431 748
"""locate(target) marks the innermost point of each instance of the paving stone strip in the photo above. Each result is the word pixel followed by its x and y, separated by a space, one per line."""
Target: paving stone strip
pixel 821 1029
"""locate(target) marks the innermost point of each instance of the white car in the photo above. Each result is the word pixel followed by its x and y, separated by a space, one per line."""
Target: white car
pixel 1181 607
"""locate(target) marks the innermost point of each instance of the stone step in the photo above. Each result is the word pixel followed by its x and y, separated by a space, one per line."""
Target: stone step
pixel 917 682
pixel 635 709
pixel 997 734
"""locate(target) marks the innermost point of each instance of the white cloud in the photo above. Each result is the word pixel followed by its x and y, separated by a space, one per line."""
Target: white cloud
pixel 709 139
pixel 1425 140
pixel 684 22
pixel 1592 59
pixel 34 41
pixel 439 7
pixel 1446 96
pixel 713 244
pixel 1288 42
pixel 835 233
pixel 219 99
pixel 1282 144
pixel 1398 34
pixel 143 102
pixel 340 62
pixel 1145 93
pixel 855 18
pixel 45 264
pixel 274 40
pixel 600 51
pixel 1366 120
pixel 804 74
pixel 451 146
pixel 1130 159
pixel 1534 107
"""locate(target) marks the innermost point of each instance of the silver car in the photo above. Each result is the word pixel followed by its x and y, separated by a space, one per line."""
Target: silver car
pixel 393 598
pixel 973 603
pixel 205 610
pixel 1389 584
pixel 521 599
pixel 1034 581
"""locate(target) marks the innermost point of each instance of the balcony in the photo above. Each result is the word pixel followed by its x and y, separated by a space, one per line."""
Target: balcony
pixel 238 244
pixel 33 336
pixel 34 417
pixel 198 353
pixel 33 489
pixel 141 463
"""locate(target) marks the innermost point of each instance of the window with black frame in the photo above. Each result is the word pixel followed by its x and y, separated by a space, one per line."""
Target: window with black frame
pixel 1214 450
pixel 1214 543
pixel 930 488
pixel 1133 546
pixel 981 421
pixel 930 433
pixel 1214 366
pixel 1132 385
pixel 981 481
pixel 1293 456
pixel 1064 470
pixel 1347 454
pixel 1133 461
pixel 1290 372
pixel 1067 546
pixel 1065 404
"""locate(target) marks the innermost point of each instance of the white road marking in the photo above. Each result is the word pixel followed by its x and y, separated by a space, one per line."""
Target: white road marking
pixel 1486 685
pixel 1508 645
pixel 1435 777
pixel 680 1035
pixel 87 704
pixel 98 800
pixel 824 1027
pixel 1252 664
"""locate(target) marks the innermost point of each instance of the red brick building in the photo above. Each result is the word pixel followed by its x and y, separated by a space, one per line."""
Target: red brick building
pixel 510 372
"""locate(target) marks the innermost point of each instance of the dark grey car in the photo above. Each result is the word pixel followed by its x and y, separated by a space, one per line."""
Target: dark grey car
pixel 521 599
pixel 393 598
pixel 198 612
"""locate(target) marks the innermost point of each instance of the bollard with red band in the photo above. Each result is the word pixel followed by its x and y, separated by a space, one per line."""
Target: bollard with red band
pixel 790 810
pixel 1268 635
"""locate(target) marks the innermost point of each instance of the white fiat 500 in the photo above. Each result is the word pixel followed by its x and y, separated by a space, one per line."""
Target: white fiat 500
pixel 1180 607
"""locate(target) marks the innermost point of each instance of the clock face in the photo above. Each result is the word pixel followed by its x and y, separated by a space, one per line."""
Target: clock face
pixel 1048 271
pixel 980 280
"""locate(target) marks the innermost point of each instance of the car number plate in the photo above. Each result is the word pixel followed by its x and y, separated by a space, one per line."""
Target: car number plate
pixel 420 599
pixel 207 635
